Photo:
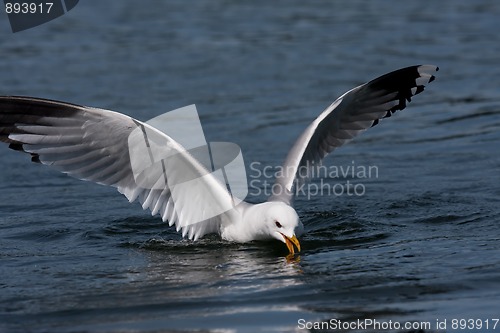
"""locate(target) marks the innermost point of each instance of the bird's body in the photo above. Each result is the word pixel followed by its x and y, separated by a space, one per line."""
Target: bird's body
pixel 94 144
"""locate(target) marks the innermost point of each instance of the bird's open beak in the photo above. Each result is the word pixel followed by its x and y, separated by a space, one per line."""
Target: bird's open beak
pixel 290 242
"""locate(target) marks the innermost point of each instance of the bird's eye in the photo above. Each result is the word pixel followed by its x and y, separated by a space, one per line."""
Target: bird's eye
pixel 278 224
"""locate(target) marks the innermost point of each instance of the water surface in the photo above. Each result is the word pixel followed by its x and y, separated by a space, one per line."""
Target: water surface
pixel 421 244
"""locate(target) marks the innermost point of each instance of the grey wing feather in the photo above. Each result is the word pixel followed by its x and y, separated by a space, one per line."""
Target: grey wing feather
pixel 91 144
pixel 352 113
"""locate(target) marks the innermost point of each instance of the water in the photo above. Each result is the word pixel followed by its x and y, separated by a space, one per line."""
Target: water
pixel 421 244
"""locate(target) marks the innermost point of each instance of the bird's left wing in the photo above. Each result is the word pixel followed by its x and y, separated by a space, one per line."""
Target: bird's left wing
pixel 99 145
pixel 352 113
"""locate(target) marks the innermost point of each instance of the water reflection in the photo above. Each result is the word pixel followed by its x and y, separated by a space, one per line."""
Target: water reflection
pixel 207 284
pixel 215 264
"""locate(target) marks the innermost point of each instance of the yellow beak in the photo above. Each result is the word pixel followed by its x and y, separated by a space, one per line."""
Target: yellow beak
pixel 290 242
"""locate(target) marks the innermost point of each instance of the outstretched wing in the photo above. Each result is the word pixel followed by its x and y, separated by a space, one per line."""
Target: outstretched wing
pixel 99 145
pixel 352 113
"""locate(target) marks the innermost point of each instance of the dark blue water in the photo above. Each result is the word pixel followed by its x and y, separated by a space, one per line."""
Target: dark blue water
pixel 421 244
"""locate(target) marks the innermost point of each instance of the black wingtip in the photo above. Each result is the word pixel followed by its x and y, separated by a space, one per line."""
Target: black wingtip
pixel 419 89
pixel 35 158
pixel 16 146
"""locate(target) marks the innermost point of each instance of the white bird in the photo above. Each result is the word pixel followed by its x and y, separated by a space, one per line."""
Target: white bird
pixel 91 144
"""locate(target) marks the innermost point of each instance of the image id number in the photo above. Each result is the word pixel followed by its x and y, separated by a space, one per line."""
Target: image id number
pixel 474 324
pixel 28 8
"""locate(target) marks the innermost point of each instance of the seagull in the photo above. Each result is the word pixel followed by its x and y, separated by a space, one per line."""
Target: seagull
pixel 91 144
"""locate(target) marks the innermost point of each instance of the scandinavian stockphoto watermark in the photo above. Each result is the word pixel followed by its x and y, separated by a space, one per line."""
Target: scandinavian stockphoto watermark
pixel 170 153
pixel 336 180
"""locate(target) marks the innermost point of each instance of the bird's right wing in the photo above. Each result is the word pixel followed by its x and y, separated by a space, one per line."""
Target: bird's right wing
pixel 352 113
pixel 113 149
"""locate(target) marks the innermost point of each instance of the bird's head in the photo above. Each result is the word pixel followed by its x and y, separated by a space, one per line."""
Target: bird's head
pixel 282 222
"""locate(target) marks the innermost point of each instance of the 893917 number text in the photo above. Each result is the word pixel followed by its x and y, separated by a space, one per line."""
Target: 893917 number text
pixel 28 8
